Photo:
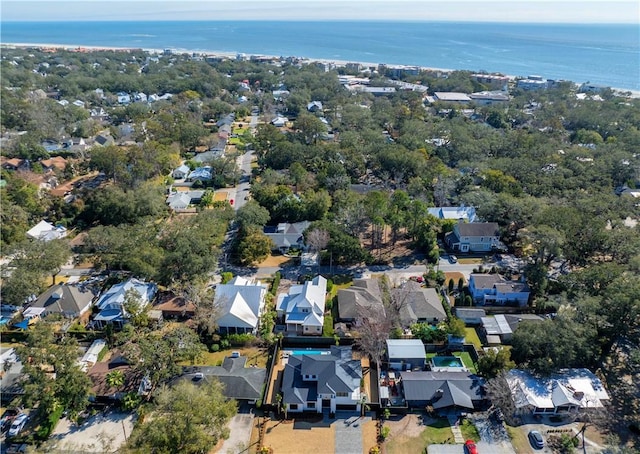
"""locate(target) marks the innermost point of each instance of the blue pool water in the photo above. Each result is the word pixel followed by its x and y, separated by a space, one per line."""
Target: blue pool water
pixel 447 361
pixel 309 352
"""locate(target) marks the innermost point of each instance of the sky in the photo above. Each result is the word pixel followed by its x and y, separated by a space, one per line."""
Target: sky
pixel 559 11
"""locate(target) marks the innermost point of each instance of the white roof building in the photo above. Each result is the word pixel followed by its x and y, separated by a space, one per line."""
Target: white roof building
pixel 46 231
pixel 569 390
pixel 241 303
pixel 303 306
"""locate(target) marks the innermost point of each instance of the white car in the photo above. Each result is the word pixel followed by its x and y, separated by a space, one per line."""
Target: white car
pixel 18 424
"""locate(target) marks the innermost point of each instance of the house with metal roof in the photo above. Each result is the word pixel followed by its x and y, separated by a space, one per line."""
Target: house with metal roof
pixel 302 308
pixel 406 354
pixel 45 231
pixel 313 382
pixel 567 391
pixel 111 303
pixel 241 303
pixel 467 214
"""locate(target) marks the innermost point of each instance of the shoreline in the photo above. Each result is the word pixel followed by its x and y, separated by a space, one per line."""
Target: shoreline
pixel 229 54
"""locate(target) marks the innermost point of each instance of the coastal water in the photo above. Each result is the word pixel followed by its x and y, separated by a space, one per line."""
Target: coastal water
pixel 605 54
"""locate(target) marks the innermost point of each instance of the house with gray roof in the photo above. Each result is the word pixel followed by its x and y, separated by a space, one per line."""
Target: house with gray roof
pixel 362 297
pixel 444 391
pixel 240 382
pixel 419 305
pixel 303 307
pixel 313 382
pixel 494 289
pixel 67 300
pixel 200 174
pixel 180 201
pixel 406 354
pixel 181 172
pixel 475 237
pixel 470 316
pixel 286 235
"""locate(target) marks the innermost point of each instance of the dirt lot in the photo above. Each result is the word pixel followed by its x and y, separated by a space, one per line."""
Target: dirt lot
pixel 100 433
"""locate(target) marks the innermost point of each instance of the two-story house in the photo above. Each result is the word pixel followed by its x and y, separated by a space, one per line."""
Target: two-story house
pixel 303 307
pixel 329 380
pixel 475 237
pixel 494 289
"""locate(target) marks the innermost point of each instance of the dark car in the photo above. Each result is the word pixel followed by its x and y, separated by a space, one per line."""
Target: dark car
pixel 536 439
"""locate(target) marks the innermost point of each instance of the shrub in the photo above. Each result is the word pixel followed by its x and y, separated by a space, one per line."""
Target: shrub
pixel 384 432
pixel 47 426
pixel 329 285
pixel 226 277
pixel 241 340
pixel 214 348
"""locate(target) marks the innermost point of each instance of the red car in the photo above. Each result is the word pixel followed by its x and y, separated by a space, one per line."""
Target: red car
pixel 471 447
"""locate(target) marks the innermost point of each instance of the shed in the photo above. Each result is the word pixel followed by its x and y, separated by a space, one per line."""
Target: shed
pixel 497 326
pixel 406 354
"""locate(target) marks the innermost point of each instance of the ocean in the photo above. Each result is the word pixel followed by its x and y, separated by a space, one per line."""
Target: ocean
pixel 606 54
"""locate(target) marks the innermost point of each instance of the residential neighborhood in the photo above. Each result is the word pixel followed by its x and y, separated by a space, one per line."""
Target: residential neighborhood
pixel 275 254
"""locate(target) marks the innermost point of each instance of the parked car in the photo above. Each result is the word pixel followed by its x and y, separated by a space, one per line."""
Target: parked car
pixel 470 447
pixel 16 448
pixel 536 439
pixel 7 418
pixel 453 259
pixel 18 424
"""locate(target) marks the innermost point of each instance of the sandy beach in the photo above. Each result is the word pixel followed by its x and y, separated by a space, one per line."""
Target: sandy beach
pixel 214 53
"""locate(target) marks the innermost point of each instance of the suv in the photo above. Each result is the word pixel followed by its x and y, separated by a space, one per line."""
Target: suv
pixel 7 418
pixel 536 439
pixel 17 424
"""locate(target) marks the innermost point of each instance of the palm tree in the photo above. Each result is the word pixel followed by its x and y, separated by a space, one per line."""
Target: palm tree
pixel 115 379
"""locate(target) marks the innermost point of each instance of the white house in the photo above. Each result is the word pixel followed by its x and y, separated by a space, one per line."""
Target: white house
pixel 46 231
pixel 474 237
pixel 241 303
pixel 567 391
pixel 279 121
pixel 331 380
pixel 181 172
pixel 286 236
pixel 111 303
pixel 123 98
pixel 303 307
pixel 494 289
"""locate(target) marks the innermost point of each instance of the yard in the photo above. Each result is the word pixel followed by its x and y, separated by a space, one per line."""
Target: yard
pixel 254 355
pixel 471 337
pixel 409 434
pixel 464 356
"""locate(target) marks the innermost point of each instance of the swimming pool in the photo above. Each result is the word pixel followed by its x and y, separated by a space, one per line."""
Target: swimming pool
pixel 307 352
pixel 446 361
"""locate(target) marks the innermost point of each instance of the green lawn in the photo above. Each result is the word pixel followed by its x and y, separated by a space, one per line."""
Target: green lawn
pixel 466 360
pixel 471 336
pixel 469 431
pixel 254 356
pixel 438 432
pixel 464 356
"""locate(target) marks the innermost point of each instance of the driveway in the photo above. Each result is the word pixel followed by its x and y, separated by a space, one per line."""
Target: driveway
pixel 104 432
pixel 240 428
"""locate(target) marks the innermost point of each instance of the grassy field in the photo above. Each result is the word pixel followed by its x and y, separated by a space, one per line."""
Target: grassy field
pixel 466 360
pixel 519 440
pixel 471 336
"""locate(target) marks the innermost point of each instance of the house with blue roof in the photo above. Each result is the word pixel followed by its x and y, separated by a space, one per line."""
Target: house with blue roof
pixel 111 303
